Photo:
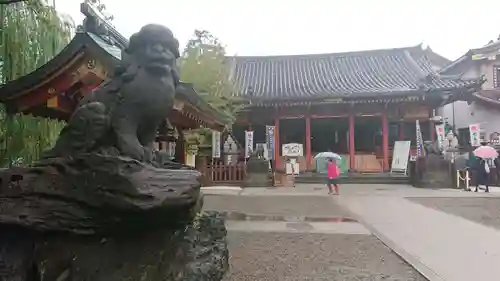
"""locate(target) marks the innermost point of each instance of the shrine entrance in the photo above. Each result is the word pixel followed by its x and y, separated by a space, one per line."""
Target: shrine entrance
pixel 329 134
pixel 368 144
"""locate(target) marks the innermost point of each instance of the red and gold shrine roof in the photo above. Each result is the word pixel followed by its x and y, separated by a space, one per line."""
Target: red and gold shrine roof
pixel 54 89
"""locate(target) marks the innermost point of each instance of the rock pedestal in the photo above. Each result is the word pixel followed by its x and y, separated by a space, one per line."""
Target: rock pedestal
pixel 104 218
pixel 257 173
pixel 433 171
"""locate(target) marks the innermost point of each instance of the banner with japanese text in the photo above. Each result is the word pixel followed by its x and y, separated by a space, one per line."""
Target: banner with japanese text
pixel 475 136
pixel 441 135
pixel 420 142
pixel 248 143
pixel 270 141
pixel 216 144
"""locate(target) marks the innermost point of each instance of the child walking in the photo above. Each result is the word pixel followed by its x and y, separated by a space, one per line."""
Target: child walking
pixel 333 174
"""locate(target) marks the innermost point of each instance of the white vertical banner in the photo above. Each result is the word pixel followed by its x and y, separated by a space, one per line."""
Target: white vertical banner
pixel 440 133
pixel 216 144
pixel 248 143
pixel 420 143
pixel 475 136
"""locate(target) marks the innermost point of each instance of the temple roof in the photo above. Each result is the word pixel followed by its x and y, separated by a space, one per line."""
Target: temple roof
pixel 81 42
pixel 492 49
pixel 371 73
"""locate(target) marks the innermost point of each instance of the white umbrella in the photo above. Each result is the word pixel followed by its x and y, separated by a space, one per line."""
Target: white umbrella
pixel 328 154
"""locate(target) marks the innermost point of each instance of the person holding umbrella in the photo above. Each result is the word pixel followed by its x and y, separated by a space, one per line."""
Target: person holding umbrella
pixel 485 155
pixel 333 171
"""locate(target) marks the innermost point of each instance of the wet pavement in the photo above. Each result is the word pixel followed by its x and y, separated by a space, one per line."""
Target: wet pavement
pixel 310 206
pixel 302 237
pixel 483 210
pixel 240 216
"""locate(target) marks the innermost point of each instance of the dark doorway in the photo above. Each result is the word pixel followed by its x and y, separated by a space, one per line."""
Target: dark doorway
pixel 329 134
pixel 292 131
pixel 367 134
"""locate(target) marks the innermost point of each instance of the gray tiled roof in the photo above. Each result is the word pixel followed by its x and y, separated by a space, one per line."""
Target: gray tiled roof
pixel 113 50
pixel 364 73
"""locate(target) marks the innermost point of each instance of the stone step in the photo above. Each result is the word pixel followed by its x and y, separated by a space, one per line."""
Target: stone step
pixel 355 179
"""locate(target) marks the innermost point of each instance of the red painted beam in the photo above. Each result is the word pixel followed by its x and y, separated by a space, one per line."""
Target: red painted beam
pixel 42 94
pixel 316 116
pixel 284 117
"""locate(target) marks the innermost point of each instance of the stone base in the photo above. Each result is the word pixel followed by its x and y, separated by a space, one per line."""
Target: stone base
pixel 257 180
pixel 93 193
pixel 433 172
pixel 197 251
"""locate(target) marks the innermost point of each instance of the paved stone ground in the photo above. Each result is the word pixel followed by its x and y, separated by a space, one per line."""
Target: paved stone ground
pixel 276 205
pixel 338 251
pixel 484 210
pixel 314 257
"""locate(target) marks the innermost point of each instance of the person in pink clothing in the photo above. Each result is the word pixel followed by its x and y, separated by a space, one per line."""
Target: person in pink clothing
pixel 333 174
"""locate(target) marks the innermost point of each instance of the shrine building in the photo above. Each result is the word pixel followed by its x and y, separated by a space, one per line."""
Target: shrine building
pixel 54 89
pixel 356 104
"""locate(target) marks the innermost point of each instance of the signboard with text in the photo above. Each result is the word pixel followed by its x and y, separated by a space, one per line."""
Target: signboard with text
pixel 400 156
pixel 293 150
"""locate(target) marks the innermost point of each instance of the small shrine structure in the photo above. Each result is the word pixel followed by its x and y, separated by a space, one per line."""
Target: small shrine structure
pixel 54 89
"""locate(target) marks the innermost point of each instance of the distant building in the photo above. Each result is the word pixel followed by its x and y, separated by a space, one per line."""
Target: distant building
pixel 482 107
pixel 356 104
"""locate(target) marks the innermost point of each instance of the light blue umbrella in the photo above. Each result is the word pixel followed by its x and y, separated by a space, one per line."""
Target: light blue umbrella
pixel 328 154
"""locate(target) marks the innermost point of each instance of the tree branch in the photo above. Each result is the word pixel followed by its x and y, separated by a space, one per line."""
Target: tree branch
pixel 6 2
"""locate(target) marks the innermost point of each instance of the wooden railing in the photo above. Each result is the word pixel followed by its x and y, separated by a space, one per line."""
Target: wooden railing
pixel 225 174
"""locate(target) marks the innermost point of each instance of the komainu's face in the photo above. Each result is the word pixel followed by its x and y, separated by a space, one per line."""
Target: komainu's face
pixel 155 49
pixel 159 57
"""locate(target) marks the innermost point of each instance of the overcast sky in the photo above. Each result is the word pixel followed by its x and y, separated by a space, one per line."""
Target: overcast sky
pixel 274 27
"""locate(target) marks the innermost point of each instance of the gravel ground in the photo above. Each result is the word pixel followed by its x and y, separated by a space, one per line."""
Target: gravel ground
pixel 314 257
pixel 276 205
pixel 484 210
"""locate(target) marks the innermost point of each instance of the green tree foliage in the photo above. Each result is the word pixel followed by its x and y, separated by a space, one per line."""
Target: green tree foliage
pixel 204 64
pixel 31 33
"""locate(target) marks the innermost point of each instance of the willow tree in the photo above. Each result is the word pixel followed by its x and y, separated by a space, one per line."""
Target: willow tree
pixel 31 33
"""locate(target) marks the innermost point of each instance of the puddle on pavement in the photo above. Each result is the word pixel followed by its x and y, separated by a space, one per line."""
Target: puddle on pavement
pixel 238 216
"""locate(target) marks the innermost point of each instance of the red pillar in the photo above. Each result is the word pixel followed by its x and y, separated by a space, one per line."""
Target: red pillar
pixel 352 155
pixel 308 143
pixel 277 144
pixel 385 141
pixel 402 131
pixel 431 131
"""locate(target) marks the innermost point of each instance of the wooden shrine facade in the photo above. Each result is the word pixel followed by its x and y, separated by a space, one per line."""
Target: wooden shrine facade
pixel 54 89
pixel 388 89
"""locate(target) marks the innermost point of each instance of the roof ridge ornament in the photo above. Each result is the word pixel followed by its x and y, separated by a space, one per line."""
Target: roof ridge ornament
pixel 100 24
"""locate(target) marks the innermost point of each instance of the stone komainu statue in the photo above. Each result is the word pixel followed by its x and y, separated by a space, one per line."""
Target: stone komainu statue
pixel 122 116
pixel 65 218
